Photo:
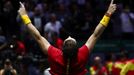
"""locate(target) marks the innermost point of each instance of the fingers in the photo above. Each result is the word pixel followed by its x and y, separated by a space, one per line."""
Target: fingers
pixel 115 6
pixel 21 4
pixel 111 2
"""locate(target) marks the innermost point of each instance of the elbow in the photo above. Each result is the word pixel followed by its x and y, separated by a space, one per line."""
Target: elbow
pixel 95 35
pixel 37 36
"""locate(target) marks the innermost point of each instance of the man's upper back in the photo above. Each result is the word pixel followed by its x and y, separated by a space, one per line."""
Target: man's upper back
pixel 58 64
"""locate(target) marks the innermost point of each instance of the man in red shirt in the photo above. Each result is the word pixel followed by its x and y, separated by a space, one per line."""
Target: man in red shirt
pixel 71 60
pixel 128 69
pixel 98 68
pixel 120 63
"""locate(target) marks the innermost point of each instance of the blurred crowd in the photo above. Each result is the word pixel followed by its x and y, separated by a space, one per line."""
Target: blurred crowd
pixel 56 20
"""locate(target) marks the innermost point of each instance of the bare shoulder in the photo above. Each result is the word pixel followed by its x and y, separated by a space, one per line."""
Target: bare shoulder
pixel 14 71
pixel 1 71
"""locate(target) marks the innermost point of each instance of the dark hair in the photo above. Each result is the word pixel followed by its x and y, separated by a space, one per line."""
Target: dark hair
pixel 7 61
pixel 70 50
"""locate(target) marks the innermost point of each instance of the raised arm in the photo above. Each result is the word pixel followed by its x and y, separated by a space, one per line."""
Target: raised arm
pixel 44 44
pixel 101 26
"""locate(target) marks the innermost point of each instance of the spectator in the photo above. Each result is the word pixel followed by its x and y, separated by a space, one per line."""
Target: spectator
pixel 127 23
pixel 62 14
pixel 8 68
pixel 38 18
pixel 9 23
pixel 110 62
pixel 20 65
pixel 46 11
pixel 98 68
pixel 120 63
pixel 128 69
pixel 53 26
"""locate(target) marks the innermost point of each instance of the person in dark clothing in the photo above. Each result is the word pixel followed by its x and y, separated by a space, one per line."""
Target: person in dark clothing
pixel 8 68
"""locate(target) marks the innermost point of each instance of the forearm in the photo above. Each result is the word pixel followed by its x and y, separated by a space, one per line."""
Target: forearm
pixel 102 25
pixel 33 31
pixel 97 32
pixel 43 43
